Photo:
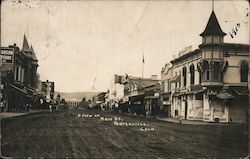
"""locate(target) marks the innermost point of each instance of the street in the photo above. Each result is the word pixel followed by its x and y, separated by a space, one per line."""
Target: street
pixel 100 134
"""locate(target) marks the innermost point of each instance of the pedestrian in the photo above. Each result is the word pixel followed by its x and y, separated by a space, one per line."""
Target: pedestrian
pixel 153 111
pixel 116 107
pixel 180 121
pixel 50 108
pixel 2 106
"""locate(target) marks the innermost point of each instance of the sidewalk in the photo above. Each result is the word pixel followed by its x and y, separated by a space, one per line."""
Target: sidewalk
pixel 13 114
pixel 183 121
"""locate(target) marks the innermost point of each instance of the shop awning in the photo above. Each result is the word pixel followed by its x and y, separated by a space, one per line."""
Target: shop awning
pixel 152 97
pixel 137 97
pixel 196 92
pixel 179 94
pixel 17 88
pixel 166 94
pixel 224 94
pixel 240 91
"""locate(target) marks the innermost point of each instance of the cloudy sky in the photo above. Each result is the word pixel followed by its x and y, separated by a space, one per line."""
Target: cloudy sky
pixel 77 42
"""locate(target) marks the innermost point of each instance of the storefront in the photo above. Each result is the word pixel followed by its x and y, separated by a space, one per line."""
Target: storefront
pixel 15 97
pixel 136 104
pixel 166 103
pixel 152 105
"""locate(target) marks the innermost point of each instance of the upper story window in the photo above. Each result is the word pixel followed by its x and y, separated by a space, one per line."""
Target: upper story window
pixel 212 54
pixel 17 73
pixel 184 74
pixel 206 71
pixel 192 73
pixel 216 71
pixel 244 71
pixel 165 86
pixel 168 85
pixel 212 39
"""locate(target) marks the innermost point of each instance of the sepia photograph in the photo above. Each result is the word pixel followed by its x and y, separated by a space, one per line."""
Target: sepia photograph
pixel 118 79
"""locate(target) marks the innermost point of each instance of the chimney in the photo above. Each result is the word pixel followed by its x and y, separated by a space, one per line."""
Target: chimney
pixel 154 77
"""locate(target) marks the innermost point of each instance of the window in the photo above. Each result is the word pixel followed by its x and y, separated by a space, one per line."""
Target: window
pixel 216 71
pixel 166 86
pixel 18 73
pixel 244 71
pixel 216 54
pixel 22 75
pixel 209 39
pixel 184 74
pixel 207 75
pixel 209 54
pixel 216 39
pixel 199 77
pixel 206 68
pixel 192 73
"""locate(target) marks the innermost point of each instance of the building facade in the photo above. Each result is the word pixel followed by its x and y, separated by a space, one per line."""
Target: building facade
pixel 165 94
pixel 19 77
pixel 211 82
pixel 48 90
pixel 116 91
pixel 152 98
pixel 134 93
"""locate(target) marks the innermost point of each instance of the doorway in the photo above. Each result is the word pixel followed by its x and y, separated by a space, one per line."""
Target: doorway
pixel 186 109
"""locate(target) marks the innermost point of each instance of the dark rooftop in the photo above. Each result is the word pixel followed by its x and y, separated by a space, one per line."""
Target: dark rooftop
pixel 213 27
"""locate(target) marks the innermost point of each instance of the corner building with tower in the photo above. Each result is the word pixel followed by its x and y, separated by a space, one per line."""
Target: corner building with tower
pixel 209 83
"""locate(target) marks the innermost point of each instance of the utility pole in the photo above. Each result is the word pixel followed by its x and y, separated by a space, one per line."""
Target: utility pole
pixel 0 54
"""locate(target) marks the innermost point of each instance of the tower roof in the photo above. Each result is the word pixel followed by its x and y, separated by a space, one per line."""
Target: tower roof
pixel 33 53
pixel 213 27
pixel 26 46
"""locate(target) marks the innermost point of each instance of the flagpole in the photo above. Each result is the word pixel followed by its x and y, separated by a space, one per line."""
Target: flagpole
pixel 142 64
pixel 212 5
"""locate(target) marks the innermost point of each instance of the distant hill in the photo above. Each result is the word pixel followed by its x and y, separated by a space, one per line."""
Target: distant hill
pixel 76 95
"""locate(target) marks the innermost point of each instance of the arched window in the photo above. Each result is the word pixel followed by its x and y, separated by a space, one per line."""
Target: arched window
pixel 184 74
pixel 192 74
pixel 244 71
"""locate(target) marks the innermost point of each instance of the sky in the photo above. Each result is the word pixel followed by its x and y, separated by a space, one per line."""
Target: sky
pixel 81 45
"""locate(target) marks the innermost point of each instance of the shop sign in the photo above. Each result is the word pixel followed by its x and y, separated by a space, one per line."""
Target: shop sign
pixel 157 94
pixel 134 93
pixel 185 50
pixel 7 55
pixel 165 102
pixel 138 102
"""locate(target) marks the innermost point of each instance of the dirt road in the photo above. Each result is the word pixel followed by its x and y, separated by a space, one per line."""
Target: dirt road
pixel 76 133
